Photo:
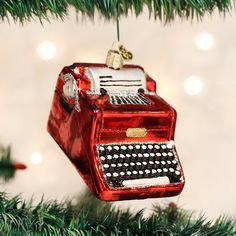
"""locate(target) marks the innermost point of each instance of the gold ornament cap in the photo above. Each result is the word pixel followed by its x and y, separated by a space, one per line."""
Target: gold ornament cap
pixel 114 60
pixel 117 55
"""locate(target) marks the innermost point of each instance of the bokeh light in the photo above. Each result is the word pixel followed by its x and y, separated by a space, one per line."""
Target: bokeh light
pixel 36 158
pixel 193 85
pixel 46 50
pixel 204 41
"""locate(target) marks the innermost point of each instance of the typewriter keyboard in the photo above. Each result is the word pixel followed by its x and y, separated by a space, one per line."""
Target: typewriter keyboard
pixel 139 164
pixel 129 99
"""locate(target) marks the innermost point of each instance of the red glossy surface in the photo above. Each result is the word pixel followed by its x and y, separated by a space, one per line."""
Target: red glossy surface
pixel 19 166
pixel 100 122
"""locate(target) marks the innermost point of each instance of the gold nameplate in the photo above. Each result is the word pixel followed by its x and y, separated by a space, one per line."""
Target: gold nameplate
pixel 136 132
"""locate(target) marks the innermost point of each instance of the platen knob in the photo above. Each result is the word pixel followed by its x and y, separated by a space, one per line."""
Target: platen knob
pixel 69 88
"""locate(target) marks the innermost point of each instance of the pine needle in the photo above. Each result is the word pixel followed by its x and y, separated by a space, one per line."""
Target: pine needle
pixel 7 170
pixel 91 217
pixel 164 10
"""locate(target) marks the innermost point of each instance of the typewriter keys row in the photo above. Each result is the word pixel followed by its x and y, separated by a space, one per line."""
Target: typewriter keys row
pixel 139 164
pixel 129 99
pixel 136 146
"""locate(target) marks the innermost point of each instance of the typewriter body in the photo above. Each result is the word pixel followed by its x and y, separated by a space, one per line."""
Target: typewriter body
pixel 117 131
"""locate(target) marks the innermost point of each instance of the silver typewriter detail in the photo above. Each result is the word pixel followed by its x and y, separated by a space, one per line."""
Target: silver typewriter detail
pixel 70 89
pixel 122 86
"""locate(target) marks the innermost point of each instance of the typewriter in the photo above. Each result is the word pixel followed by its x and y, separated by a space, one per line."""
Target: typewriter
pixel 117 131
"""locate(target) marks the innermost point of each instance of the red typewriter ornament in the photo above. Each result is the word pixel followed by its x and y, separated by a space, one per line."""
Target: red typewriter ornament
pixel 117 131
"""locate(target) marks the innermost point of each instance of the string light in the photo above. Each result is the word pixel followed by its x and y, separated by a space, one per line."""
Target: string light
pixel 193 85
pixel 46 50
pixel 204 41
pixel 36 158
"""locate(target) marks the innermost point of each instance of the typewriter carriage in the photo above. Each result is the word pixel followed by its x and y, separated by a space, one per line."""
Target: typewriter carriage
pixel 79 132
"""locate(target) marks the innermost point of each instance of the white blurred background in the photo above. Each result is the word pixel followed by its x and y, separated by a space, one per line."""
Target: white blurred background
pixel 194 66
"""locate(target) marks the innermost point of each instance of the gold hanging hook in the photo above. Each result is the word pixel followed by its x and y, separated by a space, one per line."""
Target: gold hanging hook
pixel 116 56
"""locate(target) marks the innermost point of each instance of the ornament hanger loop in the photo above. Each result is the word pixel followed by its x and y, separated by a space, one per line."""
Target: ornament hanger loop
pixel 118 28
pixel 118 53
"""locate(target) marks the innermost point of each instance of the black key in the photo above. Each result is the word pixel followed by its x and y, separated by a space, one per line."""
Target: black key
pixel 123 100
pixel 118 100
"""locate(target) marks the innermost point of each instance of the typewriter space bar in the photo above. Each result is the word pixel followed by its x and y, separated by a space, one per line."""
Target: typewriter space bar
pixel 146 182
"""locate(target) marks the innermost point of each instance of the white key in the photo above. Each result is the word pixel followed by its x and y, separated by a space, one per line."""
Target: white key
pixel 109 148
pixel 146 155
pixel 159 170
pixel 122 155
pixel 171 170
pixel 137 146
pixel 140 155
pixel 135 172
pixel 170 154
pixel 169 145
pixel 109 157
pixel 130 147
pixel 123 147
pixel 157 146
pixel 146 182
pixel 152 154
pixel 151 162
pixel 128 172
pixel 126 164
pixel 106 166
pixel 144 147
pixel 101 148
pixel 116 148
pixel 140 172
pixel 168 162
pixel 154 171
pixel 119 165
pixel 113 165
pixel 174 162
pixel 122 173
pixel 164 154
pixel 132 164
pixel 115 174
pixel 128 155
pixel 138 164
pixel 163 162
pixel 157 162
pixel 147 171
pixel 150 146
pixel 177 172
pixel 144 163
pixel 158 154
pixel 163 146
pixel 108 174
pixel 103 158
pixel 115 156
pixel 134 155
pixel 165 170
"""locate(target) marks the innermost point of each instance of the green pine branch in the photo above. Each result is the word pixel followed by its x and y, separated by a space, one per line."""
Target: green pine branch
pixel 7 170
pixel 93 217
pixel 165 10
pixel 7 166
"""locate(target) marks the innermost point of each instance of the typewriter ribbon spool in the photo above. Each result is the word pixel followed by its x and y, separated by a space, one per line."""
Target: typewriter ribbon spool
pixel 116 130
